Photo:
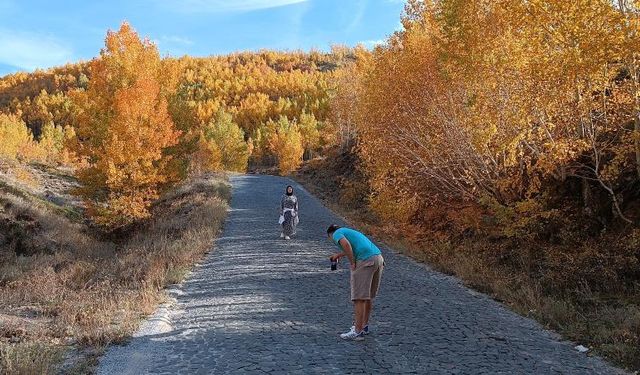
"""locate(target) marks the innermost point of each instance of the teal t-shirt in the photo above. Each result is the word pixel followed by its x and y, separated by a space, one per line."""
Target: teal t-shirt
pixel 362 247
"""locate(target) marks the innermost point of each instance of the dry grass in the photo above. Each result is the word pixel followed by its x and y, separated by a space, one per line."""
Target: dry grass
pixel 587 291
pixel 63 286
pixel 29 358
pixel 608 321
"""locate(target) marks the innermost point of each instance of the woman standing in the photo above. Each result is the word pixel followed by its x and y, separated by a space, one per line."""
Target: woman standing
pixel 289 211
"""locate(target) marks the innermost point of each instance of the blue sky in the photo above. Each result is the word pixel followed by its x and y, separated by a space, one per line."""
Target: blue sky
pixel 40 34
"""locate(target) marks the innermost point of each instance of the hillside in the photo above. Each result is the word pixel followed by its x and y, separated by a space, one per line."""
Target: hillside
pixel 91 227
pixel 500 142
pixel 254 87
pixel 496 140
pixel 67 289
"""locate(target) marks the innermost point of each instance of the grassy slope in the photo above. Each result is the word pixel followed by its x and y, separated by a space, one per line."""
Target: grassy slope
pixel 66 291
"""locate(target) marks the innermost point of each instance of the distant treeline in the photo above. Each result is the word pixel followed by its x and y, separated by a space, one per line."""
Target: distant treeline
pixel 134 123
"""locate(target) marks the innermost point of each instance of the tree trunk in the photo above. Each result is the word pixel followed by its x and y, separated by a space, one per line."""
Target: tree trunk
pixel 587 197
pixel 636 136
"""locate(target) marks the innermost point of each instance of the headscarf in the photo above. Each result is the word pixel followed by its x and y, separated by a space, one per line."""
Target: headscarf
pixel 287 190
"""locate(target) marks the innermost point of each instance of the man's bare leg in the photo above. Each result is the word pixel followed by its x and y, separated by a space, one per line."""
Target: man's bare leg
pixel 360 311
pixel 367 312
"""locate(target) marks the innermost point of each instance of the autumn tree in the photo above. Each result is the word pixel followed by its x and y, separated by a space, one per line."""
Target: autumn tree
pixel 343 104
pixel 254 88
pixel 479 100
pixel 286 143
pixel 309 128
pixel 206 157
pixel 123 128
pixel 52 141
pixel 16 140
pixel 226 137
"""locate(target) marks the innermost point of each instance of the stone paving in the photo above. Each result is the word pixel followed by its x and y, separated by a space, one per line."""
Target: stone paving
pixel 259 304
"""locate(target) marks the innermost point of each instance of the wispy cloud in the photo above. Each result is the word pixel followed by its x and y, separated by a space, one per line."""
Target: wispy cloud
pixel 222 6
pixel 30 51
pixel 295 34
pixel 174 45
pixel 372 43
pixel 361 6
pixel 175 39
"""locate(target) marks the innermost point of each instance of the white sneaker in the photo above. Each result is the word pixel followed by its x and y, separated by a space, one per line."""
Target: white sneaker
pixel 281 235
pixel 353 335
pixel 365 330
pixel 287 237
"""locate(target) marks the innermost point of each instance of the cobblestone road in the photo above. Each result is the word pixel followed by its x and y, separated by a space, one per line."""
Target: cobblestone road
pixel 258 304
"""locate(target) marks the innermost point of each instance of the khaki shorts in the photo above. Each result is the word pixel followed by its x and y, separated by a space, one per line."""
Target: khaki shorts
pixel 365 280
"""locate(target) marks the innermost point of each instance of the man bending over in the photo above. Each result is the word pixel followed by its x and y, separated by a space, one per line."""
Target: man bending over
pixel 366 269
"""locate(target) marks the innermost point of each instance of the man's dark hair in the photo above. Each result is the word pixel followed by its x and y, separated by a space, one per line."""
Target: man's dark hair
pixel 332 228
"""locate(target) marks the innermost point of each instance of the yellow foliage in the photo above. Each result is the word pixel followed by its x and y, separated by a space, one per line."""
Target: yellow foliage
pixel 395 208
pixel 207 157
pixel 285 142
pixel 123 129
pixel 52 143
pixel 227 139
pixel 479 98
pixel 16 140
pixel 309 130
pixel 253 88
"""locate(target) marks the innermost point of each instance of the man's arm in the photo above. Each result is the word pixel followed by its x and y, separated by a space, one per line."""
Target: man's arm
pixel 347 251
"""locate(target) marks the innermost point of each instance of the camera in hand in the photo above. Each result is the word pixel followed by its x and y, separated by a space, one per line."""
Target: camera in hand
pixel 334 264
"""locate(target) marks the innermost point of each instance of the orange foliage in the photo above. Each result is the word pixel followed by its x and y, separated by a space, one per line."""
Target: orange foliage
pixel 254 88
pixel 499 100
pixel 286 143
pixel 16 140
pixel 123 128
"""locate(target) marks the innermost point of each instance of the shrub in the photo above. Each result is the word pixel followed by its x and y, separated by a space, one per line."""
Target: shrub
pixel 285 142
pixel 16 140
pixel 225 140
